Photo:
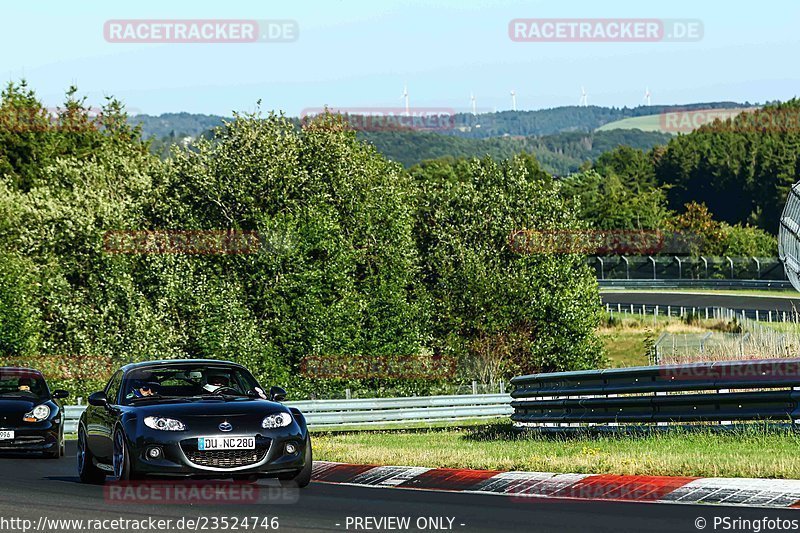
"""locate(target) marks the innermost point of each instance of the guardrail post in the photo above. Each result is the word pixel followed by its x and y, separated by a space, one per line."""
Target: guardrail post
pixel 731 262
pixel 602 268
pixel 347 393
pixel 705 262
pixel 474 387
pixel 650 257
pixel 758 268
pixel 627 267
pixel 502 386
pixel 669 311
pixel 680 267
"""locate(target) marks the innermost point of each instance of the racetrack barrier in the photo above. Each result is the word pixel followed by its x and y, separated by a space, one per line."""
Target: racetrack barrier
pixel 699 392
pixel 372 412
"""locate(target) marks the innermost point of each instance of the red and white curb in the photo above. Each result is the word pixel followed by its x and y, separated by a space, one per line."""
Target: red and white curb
pixel 653 489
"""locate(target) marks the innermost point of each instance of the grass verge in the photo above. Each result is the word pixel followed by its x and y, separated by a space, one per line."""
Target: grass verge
pixel 764 451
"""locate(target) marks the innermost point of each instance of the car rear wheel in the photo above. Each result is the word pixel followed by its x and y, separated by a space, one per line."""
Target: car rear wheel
pixel 87 471
pixel 302 478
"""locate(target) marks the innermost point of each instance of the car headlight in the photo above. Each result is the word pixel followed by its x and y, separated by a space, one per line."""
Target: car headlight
pixel 39 413
pixel 164 424
pixel 278 420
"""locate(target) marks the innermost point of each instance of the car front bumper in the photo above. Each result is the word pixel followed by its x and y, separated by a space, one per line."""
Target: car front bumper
pixel 178 454
pixel 32 437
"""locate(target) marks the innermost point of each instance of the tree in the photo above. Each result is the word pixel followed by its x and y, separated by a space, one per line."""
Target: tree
pixel 500 309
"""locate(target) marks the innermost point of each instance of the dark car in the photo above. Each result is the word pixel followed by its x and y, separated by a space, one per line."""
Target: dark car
pixel 31 417
pixel 191 418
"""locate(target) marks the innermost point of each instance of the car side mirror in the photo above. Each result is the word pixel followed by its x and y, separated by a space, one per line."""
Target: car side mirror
pixel 277 394
pixel 59 394
pixel 98 399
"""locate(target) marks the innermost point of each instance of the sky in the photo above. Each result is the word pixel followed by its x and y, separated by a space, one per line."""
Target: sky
pixel 351 53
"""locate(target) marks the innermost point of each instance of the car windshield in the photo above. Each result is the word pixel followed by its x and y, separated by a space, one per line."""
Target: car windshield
pixel 22 383
pixel 188 381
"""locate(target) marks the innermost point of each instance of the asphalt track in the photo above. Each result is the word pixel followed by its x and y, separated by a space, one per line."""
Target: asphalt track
pixel 689 299
pixel 31 488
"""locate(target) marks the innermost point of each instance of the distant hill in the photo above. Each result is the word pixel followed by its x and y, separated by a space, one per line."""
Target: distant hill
pixel 562 138
pixel 481 126
pixel 176 124
pixel 559 154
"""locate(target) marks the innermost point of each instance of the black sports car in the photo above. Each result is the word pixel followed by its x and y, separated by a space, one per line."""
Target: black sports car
pixel 191 418
pixel 31 417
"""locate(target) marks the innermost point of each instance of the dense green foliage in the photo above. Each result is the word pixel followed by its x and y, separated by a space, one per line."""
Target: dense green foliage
pixel 513 313
pixel 741 168
pixel 354 256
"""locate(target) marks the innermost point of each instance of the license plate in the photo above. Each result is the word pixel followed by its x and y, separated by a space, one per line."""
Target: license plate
pixel 226 443
pixel 6 435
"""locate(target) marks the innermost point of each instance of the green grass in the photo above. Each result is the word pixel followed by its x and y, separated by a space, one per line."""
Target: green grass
pixel 756 451
pixel 625 348
pixel 644 123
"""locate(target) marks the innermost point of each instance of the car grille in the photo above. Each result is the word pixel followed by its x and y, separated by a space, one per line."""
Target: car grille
pixel 21 441
pixel 225 458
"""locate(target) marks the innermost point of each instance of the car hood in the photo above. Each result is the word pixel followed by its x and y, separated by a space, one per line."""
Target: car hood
pixel 211 407
pixel 16 405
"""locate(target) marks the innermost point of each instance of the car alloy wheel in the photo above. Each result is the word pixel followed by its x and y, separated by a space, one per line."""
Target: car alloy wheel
pixel 119 456
pixel 81 455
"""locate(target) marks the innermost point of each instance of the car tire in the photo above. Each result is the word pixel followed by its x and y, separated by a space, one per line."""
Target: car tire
pixel 302 478
pixel 87 471
pixel 123 470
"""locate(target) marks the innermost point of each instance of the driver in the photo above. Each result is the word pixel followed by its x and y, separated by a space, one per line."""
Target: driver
pixel 215 382
pixel 141 389
pixel 24 384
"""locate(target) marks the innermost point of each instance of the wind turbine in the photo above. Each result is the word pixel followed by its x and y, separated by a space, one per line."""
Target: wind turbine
pixel 513 100
pixel 404 96
pixel 584 97
pixel 647 95
pixel 472 99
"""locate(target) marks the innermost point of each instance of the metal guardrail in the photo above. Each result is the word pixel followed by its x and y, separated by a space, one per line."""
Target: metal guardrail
pixel 694 284
pixel 365 413
pixel 661 394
